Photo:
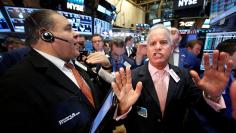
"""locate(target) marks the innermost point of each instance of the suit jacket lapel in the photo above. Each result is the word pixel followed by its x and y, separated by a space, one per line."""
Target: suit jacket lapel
pixel 148 85
pixel 44 66
pixel 173 86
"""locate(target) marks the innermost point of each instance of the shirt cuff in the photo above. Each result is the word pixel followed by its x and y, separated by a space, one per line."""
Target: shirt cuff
pixel 108 77
pixel 120 117
pixel 216 106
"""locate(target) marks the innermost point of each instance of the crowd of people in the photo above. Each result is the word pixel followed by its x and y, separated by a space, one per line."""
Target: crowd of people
pixel 51 83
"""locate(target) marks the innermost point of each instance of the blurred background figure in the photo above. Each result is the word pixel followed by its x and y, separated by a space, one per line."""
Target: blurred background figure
pixel 82 42
pixel 176 38
pixel 141 53
pixel 130 49
pixel 107 48
pixel 194 47
pixel 97 41
pixel 117 55
pixel 181 57
pixel 13 43
pixel 16 51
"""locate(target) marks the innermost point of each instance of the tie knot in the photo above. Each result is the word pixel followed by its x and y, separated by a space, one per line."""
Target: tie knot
pixel 69 65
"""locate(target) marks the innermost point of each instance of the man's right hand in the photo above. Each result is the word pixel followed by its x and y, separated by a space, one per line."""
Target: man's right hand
pixel 124 91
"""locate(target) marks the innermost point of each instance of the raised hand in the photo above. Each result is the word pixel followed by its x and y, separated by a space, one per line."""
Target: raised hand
pixel 215 76
pixel 98 58
pixel 124 91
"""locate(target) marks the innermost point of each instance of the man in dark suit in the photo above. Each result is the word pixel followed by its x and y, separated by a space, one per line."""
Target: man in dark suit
pixel 117 55
pixel 130 50
pixel 168 92
pixel 44 93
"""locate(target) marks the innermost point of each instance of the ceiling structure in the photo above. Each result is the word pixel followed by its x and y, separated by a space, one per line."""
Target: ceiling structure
pixel 145 4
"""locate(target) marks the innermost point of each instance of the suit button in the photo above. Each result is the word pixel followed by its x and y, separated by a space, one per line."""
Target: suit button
pixel 158 120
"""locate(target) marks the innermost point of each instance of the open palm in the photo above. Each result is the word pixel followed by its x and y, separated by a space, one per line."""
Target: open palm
pixel 216 75
pixel 124 91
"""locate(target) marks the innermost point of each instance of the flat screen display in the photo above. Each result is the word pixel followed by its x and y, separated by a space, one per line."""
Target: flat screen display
pixel 221 9
pixel 4 27
pixel 17 16
pixel 80 23
pixel 101 27
pixel 212 41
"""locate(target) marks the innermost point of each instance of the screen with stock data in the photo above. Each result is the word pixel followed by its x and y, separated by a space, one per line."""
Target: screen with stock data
pixel 4 27
pixel 212 41
pixel 17 16
pixel 101 27
pixel 80 23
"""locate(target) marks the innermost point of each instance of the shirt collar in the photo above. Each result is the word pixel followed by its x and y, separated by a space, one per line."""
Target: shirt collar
pixel 153 70
pixel 176 50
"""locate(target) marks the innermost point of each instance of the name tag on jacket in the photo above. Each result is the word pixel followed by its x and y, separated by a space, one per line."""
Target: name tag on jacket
pixel 142 111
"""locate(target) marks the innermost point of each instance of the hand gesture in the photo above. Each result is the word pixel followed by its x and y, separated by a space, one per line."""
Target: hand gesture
pixel 124 91
pixel 215 76
pixel 98 58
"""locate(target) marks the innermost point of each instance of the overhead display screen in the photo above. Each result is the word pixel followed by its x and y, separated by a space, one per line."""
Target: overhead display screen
pixel 101 27
pixel 3 24
pixel 17 16
pixel 80 23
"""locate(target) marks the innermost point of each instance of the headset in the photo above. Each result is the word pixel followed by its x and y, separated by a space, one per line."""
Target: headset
pixel 48 36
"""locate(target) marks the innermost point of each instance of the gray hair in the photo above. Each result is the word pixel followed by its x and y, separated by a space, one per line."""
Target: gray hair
pixel 160 27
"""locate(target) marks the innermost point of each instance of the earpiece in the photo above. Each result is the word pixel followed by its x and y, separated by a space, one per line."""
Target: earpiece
pixel 47 36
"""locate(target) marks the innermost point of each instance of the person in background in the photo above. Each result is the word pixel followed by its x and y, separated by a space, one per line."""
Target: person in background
pixel 16 51
pixel 181 57
pixel 168 91
pixel 11 43
pixel 194 47
pixel 130 49
pixel 82 42
pixel 9 59
pixel 46 91
pixel 176 38
pixel 107 48
pixel 141 54
pixel 97 41
pixel 117 55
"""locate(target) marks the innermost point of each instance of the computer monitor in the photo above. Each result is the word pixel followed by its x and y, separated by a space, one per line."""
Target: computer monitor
pixel 101 27
pixel 212 41
pixel 4 27
pixel 17 16
pixel 221 9
pixel 80 23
